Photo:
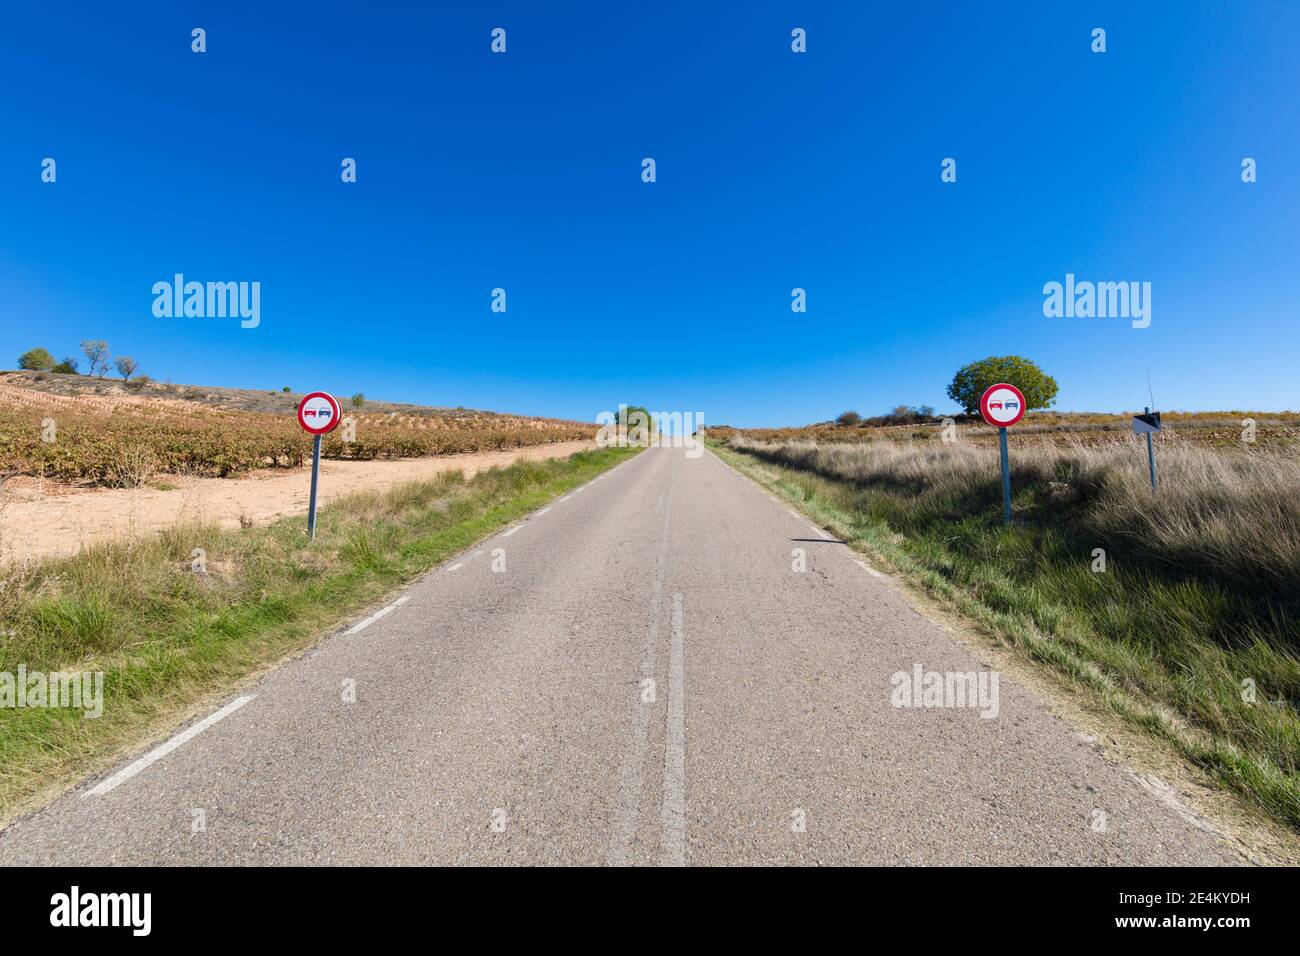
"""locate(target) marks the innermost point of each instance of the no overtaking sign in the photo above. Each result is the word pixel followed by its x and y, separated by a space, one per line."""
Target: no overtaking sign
pixel 319 413
pixel 1002 405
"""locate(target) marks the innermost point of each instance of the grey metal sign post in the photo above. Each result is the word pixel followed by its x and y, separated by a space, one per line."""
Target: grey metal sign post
pixel 315 478
pixel 1148 423
pixel 1006 475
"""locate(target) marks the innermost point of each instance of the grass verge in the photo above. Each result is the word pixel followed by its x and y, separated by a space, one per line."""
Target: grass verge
pixel 166 637
pixel 1185 618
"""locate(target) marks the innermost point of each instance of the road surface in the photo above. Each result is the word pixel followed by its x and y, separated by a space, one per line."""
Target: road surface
pixel 637 674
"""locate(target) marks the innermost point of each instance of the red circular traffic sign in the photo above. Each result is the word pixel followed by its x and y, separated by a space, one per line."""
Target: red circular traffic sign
pixel 1002 405
pixel 319 413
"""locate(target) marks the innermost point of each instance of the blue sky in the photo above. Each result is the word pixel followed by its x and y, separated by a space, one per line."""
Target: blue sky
pixel 775 170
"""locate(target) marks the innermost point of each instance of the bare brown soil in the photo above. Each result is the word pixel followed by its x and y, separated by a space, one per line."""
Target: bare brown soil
pixel 42 519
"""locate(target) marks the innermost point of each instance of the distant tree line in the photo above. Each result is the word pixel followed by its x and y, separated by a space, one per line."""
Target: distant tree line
pixel 966 387
pixel 98 362
pixel 901 415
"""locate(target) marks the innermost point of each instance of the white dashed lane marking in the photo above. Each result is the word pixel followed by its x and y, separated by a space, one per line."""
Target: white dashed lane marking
pixel 461 564
pixel 869 569
pixel 129 771
pixel 362 625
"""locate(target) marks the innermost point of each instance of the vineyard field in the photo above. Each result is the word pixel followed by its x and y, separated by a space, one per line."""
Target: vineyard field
pixel 123 439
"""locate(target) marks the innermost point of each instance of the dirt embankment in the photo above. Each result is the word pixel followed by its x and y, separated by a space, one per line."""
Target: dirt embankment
pixel 40 519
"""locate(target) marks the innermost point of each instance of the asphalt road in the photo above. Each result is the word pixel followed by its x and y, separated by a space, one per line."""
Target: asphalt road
pixel 635 675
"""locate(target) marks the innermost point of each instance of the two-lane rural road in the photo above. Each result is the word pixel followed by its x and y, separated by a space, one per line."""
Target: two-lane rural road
pixel 636 674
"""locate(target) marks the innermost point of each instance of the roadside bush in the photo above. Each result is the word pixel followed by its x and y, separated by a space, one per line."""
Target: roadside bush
pixel 36 360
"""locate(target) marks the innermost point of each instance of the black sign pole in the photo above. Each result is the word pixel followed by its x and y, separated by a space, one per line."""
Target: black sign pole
pixel 315 475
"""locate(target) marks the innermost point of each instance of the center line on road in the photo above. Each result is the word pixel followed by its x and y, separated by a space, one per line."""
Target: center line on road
pixel 672 845
pixel 628 810
pixel 129 771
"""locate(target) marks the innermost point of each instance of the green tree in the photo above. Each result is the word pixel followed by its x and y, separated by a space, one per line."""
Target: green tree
pixel 36 360
pixel 848 418
pixel 640 424
pixel 358 399
pixel 67 367
pixel 971 381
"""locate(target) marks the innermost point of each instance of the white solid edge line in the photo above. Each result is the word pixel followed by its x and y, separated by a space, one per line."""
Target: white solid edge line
pixel 455 566
pixel 542 512
pixel 565 498
pixel 512 531
pixel 129 771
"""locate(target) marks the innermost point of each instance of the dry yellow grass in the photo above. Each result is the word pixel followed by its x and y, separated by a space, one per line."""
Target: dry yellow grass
pixel 1226 429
